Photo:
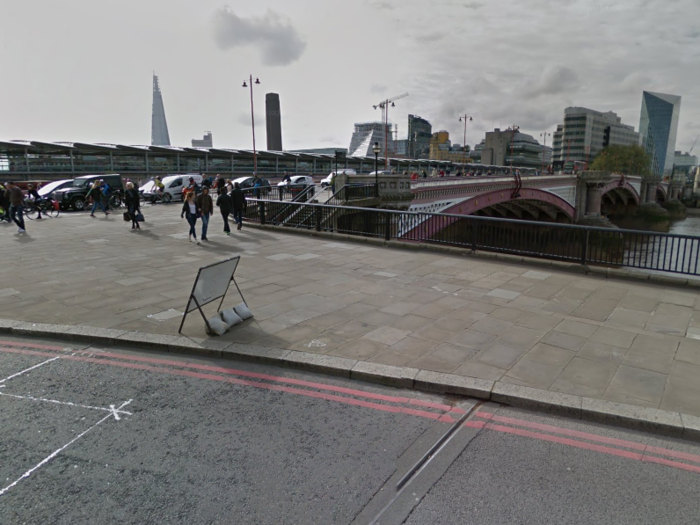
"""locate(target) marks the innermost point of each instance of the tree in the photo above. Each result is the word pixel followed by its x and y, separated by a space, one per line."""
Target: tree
pixel 630 160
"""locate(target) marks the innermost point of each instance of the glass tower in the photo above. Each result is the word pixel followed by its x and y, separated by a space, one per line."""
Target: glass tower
pixel 658 126
pixel 159 126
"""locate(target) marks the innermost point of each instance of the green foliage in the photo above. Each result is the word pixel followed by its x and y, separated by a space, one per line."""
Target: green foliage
pixel 630 160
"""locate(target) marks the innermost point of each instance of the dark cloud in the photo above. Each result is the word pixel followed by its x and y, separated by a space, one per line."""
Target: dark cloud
pixel 278 41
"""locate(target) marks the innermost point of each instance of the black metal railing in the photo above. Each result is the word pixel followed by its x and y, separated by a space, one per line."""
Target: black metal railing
pixel 580 244
pixel 352 192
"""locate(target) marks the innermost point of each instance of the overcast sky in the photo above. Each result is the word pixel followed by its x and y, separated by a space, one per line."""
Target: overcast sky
pixel 80 70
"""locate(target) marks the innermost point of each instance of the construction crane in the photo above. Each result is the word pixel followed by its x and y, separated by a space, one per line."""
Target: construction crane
pixel 384 105
pixel 694 143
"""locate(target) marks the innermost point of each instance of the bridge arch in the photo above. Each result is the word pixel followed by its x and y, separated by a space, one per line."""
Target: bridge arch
pixel 619 198
pixel 661 194
pixel 531 203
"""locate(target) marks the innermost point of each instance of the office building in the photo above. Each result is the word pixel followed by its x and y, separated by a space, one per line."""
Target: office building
pixel 442 149
pixel 510 147
pixel 586 132
pixel 206 142
pixel 420 133
pixel 401 148
pixel 684 163
pixel 658 126
pixel 273 122
pixel 364 137
pixel 159 126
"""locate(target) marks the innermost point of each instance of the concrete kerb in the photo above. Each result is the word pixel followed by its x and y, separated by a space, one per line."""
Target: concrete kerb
pixel 649 420
pixel 607 273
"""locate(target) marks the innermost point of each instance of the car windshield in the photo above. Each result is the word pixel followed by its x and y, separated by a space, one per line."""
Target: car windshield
pixel 148 186
pixel 51 186
pixel 81 183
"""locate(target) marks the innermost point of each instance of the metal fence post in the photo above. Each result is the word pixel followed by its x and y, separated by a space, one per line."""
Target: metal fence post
pixel 387 226
pixel 317 213
pixel 475 232
pixel 261 205
pixel 584 254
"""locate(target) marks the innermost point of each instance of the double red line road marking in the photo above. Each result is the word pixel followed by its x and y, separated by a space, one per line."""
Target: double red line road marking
pixel 394 404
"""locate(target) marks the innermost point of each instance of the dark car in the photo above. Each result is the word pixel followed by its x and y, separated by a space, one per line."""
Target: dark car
pixel 246 184
pixel 73 196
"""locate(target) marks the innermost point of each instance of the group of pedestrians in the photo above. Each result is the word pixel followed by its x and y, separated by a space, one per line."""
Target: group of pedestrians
pixel 230 202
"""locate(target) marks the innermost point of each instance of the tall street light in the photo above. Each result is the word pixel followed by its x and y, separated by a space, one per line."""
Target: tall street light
pixel 544 145
pixel 464 144
pixel 252 121
pixel 376 150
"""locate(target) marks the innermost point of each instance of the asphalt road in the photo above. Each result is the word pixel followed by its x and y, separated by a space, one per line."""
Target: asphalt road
pixel 110 435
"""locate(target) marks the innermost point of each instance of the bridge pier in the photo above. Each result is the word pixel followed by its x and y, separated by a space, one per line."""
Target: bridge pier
pixel 593 182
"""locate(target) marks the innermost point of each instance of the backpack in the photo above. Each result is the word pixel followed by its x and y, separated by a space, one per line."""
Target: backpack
pixel 105 190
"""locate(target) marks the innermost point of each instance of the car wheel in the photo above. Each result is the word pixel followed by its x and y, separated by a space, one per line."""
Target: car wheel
pixel 78 204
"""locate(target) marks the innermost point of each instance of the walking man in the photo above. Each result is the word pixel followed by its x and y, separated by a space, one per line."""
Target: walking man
pixel 225 205
pixel 17 206
pixel 238 202
pixel 206 208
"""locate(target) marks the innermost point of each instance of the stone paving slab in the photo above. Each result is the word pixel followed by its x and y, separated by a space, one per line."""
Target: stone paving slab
pixel 512 323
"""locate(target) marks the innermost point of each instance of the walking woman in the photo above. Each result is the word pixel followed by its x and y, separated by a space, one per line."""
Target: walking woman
pixel 189 210
pixel 95 194
pixel 131 199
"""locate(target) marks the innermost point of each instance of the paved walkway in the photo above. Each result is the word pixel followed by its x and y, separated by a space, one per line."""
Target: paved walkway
pixel 622 341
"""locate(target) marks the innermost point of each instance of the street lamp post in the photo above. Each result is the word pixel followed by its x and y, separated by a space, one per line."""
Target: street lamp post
pixel 464 144
pixel 544 146
pixel 376 150
pixel 252 121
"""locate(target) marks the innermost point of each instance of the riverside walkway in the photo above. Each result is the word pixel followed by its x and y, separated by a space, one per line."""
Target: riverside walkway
pixel 619 340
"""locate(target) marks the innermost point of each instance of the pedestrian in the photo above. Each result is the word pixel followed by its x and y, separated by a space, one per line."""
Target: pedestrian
pixel 238 202
pixel 189 210
pixel 220 185
pixel 257 183
pixel 95 194
pixel 4 203
pixel 229 186
pixel 225 205
pixel 131 199
pixel 425 174
pixel 206 210
pixel 31 192
pixel 17 206
pixel 333 175
pixel 106 192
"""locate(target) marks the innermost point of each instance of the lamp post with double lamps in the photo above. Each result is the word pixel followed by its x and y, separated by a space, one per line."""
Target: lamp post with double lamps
pixel 464 144
pixel 252 120
pixel 376 150
pixel 514 130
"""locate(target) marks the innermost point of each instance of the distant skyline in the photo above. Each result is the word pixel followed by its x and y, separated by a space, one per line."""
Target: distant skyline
pixel 82 71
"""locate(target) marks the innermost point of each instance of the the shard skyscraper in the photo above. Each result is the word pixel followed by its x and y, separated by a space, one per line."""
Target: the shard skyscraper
pixel 159 126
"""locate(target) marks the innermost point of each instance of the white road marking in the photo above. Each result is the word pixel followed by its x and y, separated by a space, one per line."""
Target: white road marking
pixel 57 452
pixel 29 369
pixel 111 408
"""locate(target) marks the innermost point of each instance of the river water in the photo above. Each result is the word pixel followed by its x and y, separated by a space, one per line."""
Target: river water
pixel 669 254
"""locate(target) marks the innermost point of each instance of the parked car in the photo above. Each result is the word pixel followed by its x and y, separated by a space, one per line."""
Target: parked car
pixel 246 183
pixel 174 184
pixel 327 181
pixel 47 190
pixel 73 196
pixel 298 181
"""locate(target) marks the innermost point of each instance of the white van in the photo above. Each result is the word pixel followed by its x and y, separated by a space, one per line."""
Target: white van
pixel 327 181
pixel 174 184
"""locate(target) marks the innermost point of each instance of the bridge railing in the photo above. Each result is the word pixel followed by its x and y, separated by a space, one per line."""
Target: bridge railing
pixel 584 245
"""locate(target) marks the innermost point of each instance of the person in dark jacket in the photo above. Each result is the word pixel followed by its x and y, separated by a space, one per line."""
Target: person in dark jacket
pixel 225 204
pixel 220 185
pixel 32 192
pixel 189 210
pixel 206 209
pixel 16 206
pixel 131 199
pixel 238 203
pixel 95 194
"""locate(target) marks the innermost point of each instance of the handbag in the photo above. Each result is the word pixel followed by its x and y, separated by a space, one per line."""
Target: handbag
pixel 127 217
pixel 139 217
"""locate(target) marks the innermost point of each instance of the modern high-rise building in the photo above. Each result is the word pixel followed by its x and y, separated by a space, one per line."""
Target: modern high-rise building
pixel 159 126
pixel 441 148
pixel 586 132
pixel 273 122
pixel 658 126
pixel 366 134
pixel 206 142
pixel 419 134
